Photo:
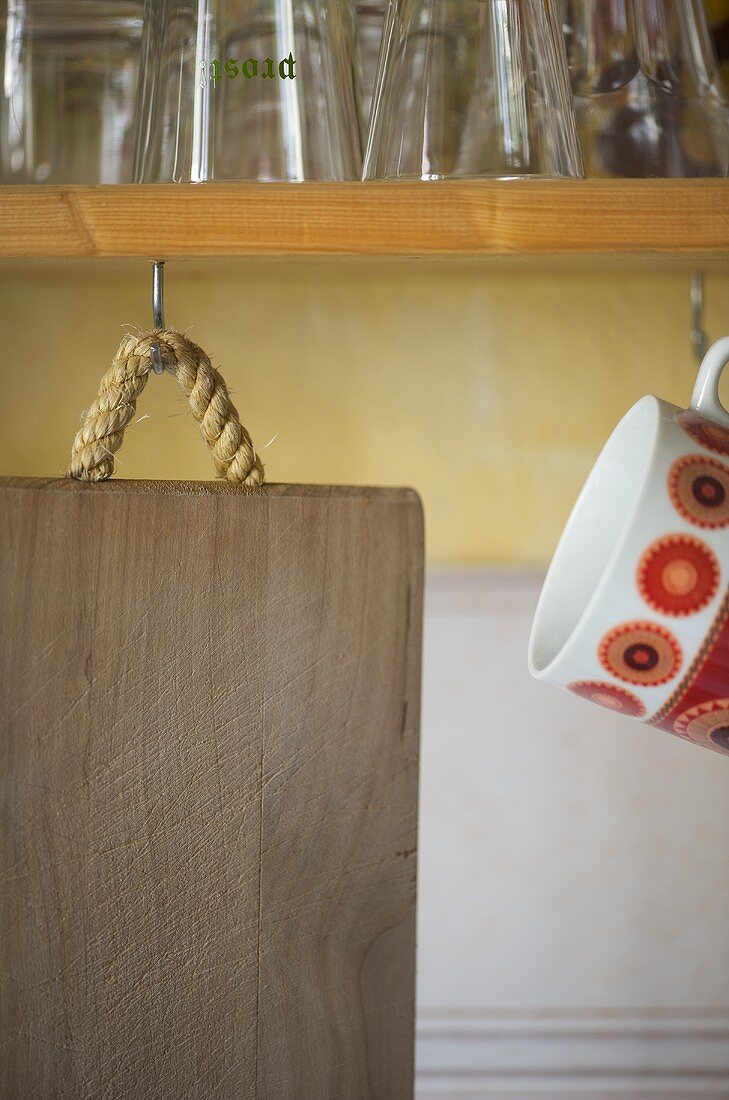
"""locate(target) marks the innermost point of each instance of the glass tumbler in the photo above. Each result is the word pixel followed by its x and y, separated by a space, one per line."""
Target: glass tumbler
pixel 248 90
pixel 69 76
pixel 472 88
pixel 648 96
pixel 370 20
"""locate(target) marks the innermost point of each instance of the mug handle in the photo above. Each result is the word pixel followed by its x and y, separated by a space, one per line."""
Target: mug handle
pixel 705 398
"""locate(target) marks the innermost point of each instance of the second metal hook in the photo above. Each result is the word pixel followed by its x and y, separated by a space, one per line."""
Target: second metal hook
pixel 158 311
pixel 699 339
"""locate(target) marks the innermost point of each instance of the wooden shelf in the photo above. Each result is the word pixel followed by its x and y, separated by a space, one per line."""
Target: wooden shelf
pixel 597 218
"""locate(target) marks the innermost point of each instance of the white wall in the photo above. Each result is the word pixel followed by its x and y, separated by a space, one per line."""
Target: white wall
pixel 574 878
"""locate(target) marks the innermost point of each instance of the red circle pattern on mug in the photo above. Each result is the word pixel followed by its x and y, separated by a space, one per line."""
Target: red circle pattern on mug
pixel 707 724
pixel 610 696
pixel 640 653
pixel 699 489
pixel 703 431
pixel 678 575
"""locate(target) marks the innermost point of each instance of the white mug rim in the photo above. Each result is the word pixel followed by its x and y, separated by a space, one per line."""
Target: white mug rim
pixel 655 410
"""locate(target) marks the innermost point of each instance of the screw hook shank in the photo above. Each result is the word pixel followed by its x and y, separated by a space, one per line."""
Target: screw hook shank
pixel 158 311
pixel 699 339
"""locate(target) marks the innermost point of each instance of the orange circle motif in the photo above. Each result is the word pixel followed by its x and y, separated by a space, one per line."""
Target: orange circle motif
pixel 678 575
pixel 699 490
pixel 705 432
pixel 640 653
pixel 706 724
pixel 610 696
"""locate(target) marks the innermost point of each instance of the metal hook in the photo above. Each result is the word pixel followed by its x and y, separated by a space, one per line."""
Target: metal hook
pixel 699 339
pixel 158 311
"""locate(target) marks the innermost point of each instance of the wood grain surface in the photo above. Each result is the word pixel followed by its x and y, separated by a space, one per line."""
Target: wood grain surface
pixel 660 218
pixel 209 708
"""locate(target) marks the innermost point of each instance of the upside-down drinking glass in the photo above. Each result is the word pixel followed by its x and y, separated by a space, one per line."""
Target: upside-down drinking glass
pixel 69 75
pixel 248 90
pixel 370 20
pixel 470 88
pixel 648 95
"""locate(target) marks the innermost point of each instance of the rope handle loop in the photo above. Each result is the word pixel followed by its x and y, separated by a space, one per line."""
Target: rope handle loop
pixel 102 432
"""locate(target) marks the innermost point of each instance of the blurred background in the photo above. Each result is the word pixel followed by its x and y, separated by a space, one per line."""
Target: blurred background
pixel 574 870
pixel 574 889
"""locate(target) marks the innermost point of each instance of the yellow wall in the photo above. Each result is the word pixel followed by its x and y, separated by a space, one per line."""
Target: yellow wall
pixel 488 389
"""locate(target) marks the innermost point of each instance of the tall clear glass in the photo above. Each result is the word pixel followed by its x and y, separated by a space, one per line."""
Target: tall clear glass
pixel 69 76
pixel 472 88
pixel 248 90
pixel 648 96
pixel 370 21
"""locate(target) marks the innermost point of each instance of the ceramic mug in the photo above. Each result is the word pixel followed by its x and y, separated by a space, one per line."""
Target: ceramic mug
pixel 634 613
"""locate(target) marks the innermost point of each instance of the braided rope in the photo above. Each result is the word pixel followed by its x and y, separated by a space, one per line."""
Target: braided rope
pixel 102 431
